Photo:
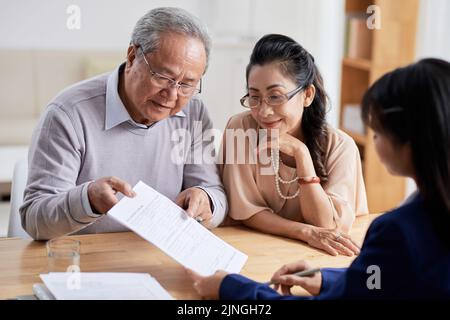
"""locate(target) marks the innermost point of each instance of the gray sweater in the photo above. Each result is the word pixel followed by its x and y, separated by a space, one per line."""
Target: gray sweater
pixel 85 134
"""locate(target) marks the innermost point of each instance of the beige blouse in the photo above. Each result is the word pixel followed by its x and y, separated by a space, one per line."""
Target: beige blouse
pixel 251 189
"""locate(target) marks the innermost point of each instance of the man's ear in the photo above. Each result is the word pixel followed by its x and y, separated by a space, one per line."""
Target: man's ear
pixel 131 55
pixel 310 93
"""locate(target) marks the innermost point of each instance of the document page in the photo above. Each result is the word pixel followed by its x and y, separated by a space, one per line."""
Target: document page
pixel 160 221
pixel 104 286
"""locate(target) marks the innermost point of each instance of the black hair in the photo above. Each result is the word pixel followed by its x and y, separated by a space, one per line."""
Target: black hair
pixel 412 105
pixel 298 64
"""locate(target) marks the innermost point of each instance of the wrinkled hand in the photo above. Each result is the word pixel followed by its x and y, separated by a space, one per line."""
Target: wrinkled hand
pixel 332 241
pixel 196 203
pixel 284 278
pixel 102 193
pixel 207 287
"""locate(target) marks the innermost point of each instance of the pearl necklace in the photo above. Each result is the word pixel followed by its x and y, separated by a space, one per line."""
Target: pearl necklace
pixel 275 157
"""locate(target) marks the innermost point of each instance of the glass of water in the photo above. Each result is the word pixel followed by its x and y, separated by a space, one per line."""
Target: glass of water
pixel 63 255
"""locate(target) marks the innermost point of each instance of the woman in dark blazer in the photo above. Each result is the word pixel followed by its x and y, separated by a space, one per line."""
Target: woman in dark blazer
pixel 406 252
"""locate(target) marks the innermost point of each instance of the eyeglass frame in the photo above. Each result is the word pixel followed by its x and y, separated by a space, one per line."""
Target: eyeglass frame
pixel 171 81
pixel 288 96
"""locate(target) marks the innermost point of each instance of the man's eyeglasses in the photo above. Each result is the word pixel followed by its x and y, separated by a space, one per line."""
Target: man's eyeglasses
pixel 273 100
pixel 164 82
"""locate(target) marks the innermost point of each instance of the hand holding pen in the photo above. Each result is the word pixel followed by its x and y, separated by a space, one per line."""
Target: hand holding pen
pixel 298 273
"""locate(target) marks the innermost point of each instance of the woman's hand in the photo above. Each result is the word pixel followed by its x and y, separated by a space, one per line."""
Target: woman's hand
pixel 285 279
pixel 331 241
pixel 286 143
pixel 290 145
pixel 207 287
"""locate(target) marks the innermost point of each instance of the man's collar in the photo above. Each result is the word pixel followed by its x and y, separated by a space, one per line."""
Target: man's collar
pixel 116 113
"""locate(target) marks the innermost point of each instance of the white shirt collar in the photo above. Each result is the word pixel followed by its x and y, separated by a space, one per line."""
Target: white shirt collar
pixel 116 113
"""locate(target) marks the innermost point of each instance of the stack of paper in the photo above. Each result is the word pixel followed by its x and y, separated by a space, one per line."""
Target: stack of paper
pixel 158 220
pixel 104 286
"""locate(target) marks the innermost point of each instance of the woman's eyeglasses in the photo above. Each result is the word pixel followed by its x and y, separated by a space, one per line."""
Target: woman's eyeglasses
pixel 273 100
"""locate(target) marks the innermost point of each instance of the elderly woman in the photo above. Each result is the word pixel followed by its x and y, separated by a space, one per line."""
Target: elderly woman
pixel 315 187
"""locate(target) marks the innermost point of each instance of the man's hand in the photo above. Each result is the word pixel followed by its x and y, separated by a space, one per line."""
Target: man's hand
pixel 196 203
pixel 102 193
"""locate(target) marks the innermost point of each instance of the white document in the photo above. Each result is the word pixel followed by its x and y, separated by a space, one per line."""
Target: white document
pixel 104 286
pixel 158 220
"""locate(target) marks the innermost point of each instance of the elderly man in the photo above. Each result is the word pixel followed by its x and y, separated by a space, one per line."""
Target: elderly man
pixel 101 136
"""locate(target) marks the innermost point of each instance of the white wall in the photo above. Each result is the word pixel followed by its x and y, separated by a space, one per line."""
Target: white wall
pixel 104 24
pixel 433 34
pixel 235 26
pixel 433 40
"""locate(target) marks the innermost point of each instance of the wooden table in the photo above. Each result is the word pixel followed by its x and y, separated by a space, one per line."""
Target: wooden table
pixel 21 261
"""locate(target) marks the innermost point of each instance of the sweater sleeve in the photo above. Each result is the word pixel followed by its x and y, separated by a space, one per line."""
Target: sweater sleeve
pixel 53 202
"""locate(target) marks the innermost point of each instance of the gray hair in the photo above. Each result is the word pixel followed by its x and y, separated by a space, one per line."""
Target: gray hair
pixel 147 30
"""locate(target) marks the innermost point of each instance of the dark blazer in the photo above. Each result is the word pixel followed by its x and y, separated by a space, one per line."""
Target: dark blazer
pixel 413 264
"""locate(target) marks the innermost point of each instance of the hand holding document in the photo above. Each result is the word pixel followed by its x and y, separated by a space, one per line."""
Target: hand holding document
pixel 160 221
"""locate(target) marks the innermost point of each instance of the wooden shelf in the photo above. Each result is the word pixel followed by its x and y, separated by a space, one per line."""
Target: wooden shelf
pixel 362 64
pixel 399 20
pixel 356 6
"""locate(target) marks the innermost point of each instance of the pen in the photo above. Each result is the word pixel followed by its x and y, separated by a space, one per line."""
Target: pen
pixel 304 273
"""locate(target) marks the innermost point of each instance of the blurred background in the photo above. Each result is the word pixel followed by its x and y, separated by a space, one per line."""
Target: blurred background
pixel 47 45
